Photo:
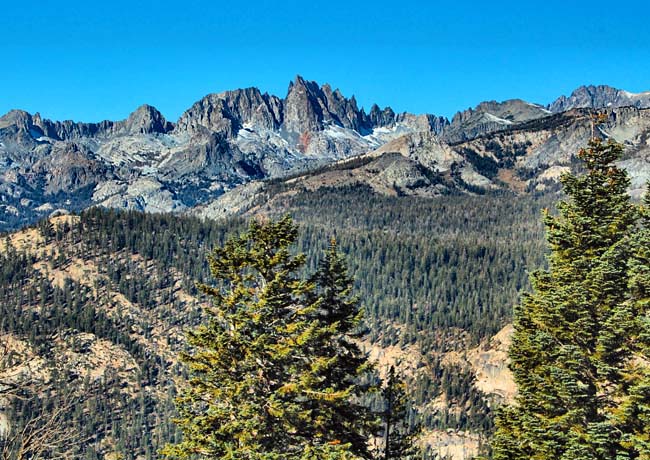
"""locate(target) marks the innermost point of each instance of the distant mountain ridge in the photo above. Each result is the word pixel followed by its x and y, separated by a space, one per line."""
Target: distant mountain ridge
pixel 491 116
pixel 310 107
pixel 144 120
pixel 601 96
pixel 228 139
pixel 522 158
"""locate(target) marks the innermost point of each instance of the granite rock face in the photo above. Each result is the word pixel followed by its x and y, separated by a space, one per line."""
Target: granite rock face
pixel 69 168
pixel 221 141
pixel 229 139
pixel 379 117
pixel 303 107
pixel 491 116
pixel 146 120
pixel 309 108
pixel 228 112
pixel 601 96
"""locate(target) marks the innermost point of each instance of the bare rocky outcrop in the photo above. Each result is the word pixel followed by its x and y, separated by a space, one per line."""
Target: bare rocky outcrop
pixel 147 120
pixel 68 168
pixel 228 112
pixel 231 138
pixel 601 96
pixel 309 107
pixel 144 120
pixel 491 116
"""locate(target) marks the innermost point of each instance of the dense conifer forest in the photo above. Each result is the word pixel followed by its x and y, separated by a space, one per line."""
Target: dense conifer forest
pixel 442 274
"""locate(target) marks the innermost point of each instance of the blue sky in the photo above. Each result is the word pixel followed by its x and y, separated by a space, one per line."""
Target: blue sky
pixel 90 61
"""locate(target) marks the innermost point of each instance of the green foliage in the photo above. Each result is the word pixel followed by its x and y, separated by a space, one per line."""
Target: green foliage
pixel 580 337
pixel 635 410
pixel 424 269
pixel 399 438
pixel 429 264
pixel 273 371
pixel 133 420
pixel 339 367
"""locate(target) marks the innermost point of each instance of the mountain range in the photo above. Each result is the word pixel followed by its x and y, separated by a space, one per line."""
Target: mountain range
pixel 230 139
pixel 439 221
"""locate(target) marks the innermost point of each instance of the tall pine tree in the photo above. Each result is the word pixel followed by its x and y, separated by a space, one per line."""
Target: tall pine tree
pixel 399 438
pixel 578 342
pixel 635 409
pixel 340 372
pixel 272 372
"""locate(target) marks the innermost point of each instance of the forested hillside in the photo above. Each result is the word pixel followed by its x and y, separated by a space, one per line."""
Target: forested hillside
pixel 98 302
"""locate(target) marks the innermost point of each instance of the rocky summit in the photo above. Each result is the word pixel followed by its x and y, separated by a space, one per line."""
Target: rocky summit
pixel 517 158
pixel 229 139
pixel 148 163
pixel 601 96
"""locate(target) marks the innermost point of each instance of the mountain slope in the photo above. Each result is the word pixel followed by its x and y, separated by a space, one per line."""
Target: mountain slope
pixel 229 139
pixel 150 164
pixel 103 298
pixel 601 96
pixel 491 116
pixel 527 157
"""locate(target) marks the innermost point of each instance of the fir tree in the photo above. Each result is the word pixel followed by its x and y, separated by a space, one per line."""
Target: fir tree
pixel 399 437
pixel 338 368
pixel 635 410
pixel 267 377
pixel 578 336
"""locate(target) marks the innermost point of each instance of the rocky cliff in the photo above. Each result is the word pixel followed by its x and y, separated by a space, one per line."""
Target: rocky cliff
pixel 223 140
pixel 522 158
pixel 228 139
pixel 601 96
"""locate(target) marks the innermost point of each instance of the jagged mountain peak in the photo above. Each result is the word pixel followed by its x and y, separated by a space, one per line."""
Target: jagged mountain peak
pixel 146 119
pixel 145 110
pixel 310 107
pixel 250 91
pixel 381 117
pixel 15 117
pixel 300 82
pixel 18 127
pixel 307 108
pixel 227 112
pixel 492 116
pixel 599 96
pixel 15 113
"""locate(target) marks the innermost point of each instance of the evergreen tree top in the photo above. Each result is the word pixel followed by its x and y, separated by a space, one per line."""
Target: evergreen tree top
pixel 580 334
pixel 273 373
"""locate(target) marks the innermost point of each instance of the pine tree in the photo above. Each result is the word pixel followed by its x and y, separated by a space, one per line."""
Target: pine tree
pixel 577 337
pixel 635 410
pixel 267 381
pixel 399 437
pixel 340 371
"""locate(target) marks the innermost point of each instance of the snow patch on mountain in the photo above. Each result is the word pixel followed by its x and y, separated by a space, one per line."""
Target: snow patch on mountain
pixel 496 119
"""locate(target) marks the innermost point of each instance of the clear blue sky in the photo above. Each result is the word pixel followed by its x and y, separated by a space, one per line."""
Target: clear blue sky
pixel 90 61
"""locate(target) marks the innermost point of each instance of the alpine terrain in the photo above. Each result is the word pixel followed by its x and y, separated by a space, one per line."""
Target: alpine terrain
pixel 107 227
